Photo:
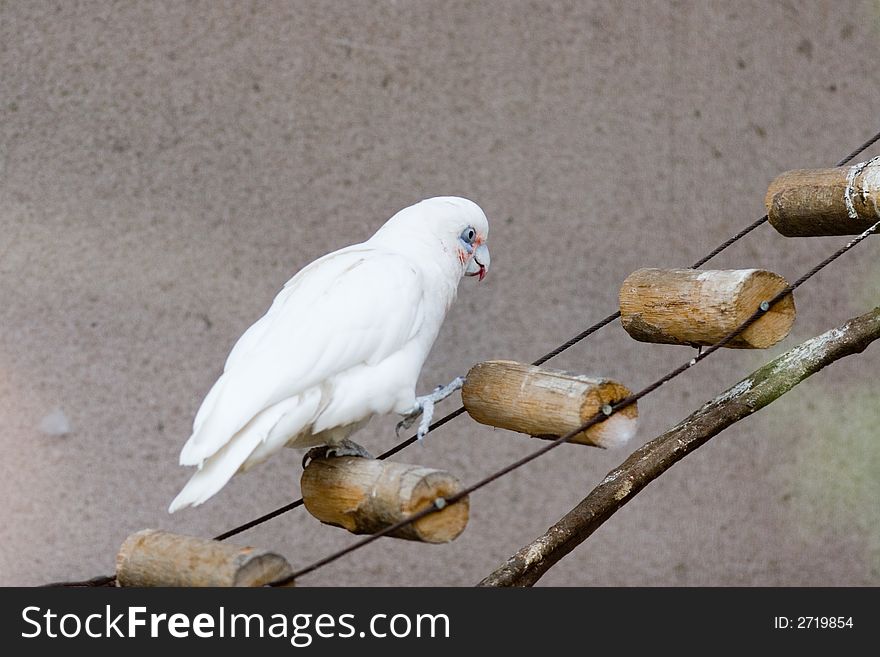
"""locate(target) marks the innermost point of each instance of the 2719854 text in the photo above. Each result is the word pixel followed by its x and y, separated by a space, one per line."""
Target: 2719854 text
pixel 812 622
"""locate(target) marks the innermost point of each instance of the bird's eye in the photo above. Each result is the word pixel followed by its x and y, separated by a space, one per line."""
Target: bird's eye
pixel 469 235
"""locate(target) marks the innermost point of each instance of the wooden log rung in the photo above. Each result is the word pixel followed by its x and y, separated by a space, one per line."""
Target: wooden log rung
pixel 815 202
pixel 701 307
pixel 365 496
pixel 152 557
pixel 547 403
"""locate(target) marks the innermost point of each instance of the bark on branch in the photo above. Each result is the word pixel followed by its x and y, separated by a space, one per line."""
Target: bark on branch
pixel 753 393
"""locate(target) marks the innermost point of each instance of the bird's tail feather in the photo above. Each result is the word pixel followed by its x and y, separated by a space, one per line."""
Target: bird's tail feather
pixel 264 435
pixel 217 470
pixel 202 444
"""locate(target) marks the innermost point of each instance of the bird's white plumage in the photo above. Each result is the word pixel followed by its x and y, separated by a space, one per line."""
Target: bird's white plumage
pixel 344 340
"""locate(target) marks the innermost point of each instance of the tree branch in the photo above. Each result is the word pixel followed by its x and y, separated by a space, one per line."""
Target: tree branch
pixel 753 393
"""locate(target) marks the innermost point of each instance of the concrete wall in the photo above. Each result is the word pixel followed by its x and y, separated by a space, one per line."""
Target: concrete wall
pixel 165 167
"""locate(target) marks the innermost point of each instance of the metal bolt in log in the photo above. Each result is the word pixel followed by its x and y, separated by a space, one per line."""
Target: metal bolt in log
pixel 812 202
pixel 699 308
pixel 547 403
pixel 365 496
pixel 152 557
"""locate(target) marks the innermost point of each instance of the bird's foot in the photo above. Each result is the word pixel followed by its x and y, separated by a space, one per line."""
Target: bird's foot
pixel 345 447
pixel 424 407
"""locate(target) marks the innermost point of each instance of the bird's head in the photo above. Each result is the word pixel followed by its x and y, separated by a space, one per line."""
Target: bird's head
pixel 457 224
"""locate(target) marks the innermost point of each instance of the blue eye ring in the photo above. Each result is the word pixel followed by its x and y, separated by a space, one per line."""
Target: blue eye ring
pixel 468 235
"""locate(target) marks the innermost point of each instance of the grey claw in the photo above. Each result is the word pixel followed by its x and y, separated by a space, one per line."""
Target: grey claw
pixel 409 419
pixel 406 422
pixel 425 407
pixel 319 452
pixel 349 448
pixel 427 415
pixel 344 448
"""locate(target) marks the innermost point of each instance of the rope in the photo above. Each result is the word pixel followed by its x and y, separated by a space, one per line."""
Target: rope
pixel 109 580
pixel 442 502
pixel 543 359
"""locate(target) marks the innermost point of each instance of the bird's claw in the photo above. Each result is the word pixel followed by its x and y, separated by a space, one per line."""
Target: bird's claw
pixel 407 421
pixel 344 448
pixel 427 416
pixel 319 452
pixel 424 407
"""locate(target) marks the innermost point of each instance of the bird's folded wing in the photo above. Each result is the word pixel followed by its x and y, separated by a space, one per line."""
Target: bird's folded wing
pixel 357 305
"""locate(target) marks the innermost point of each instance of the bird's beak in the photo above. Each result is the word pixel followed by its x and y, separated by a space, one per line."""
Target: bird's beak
pixel 479 263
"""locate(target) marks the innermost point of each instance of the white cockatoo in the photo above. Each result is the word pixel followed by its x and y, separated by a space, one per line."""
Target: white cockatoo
pixel 343 341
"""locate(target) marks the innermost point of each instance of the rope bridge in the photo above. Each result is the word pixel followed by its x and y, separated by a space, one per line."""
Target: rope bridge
pixel 793 202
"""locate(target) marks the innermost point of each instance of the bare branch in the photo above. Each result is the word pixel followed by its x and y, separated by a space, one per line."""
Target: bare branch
pixel 753 393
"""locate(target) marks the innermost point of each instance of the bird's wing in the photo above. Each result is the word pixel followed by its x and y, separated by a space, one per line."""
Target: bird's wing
pixel 357 305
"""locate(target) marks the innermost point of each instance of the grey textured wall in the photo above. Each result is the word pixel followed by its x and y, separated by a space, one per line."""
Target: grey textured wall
pixel 166 167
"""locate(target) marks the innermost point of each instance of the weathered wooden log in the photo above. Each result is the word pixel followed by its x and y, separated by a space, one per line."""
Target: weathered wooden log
pixel 547 403
pixel 367 495
pixel 839 201
pixel 700 307
pixel 152 557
